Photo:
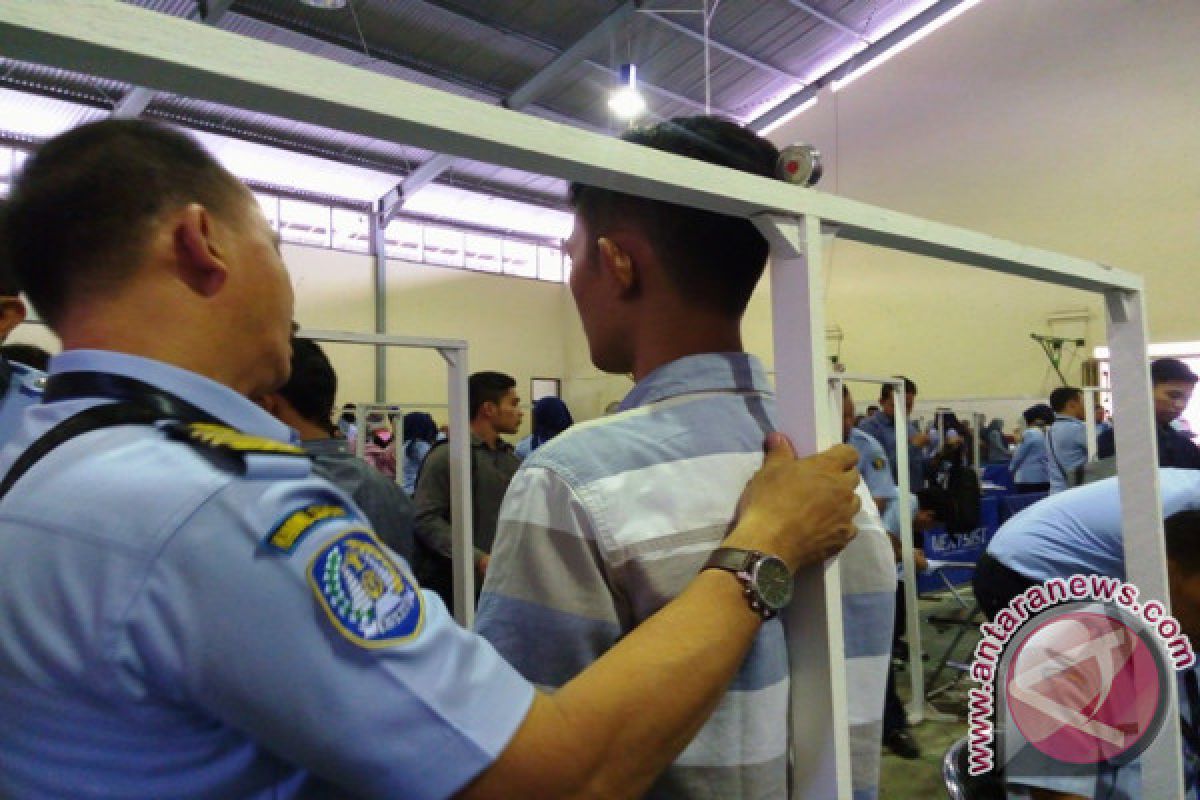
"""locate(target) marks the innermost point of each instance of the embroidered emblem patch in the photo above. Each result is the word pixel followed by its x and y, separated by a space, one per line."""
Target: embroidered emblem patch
pixel 291 530
pixel 367 597
pixel 879 463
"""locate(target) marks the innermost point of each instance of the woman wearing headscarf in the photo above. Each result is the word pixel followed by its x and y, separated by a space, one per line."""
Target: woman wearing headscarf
pixel 419 434
pixel 997 448
pixel 550 418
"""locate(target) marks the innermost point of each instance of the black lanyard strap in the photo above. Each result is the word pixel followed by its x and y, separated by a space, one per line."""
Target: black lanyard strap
pixel 137 403
pixel 107 415
pixel 78 385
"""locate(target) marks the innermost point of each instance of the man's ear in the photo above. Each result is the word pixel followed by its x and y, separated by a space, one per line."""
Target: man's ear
pixel 198 256
pixel 617 262
pixel 12 314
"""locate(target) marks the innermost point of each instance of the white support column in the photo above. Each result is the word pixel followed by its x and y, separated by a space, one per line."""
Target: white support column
pixel 461 519
pixel 1141 508
pixel 912 617
pixel 819 732
pixel 1089 421
pixel 360 429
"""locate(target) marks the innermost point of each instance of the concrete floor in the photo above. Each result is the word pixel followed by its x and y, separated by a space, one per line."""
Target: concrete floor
pixel 901 779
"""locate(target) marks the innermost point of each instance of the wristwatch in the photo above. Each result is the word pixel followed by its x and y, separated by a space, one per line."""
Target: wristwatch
pixel 766 580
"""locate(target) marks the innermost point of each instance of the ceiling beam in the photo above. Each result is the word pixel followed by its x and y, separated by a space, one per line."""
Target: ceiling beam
pixel 135 103
pixel 428 172
pixel 832 21
pixel 556 50
pixel 722 47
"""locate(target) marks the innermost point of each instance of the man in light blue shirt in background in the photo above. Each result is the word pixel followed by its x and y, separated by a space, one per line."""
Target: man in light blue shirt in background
pixel 1066 439
pixel 882 427
pixel 20 385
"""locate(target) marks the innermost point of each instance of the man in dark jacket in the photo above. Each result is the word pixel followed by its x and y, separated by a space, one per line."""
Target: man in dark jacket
pixel 1173 383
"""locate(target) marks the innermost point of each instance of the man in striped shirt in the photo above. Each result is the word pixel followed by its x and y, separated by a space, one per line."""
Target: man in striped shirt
pixel 608 522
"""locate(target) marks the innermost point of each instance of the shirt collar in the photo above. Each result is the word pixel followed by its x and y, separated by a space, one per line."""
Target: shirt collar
pixel 705 372
pixel 214 398
pixel 500 447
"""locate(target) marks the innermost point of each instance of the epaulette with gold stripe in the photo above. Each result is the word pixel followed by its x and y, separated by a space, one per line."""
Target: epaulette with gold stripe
pixel 228 447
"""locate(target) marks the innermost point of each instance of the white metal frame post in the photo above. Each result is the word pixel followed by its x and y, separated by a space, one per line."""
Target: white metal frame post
pixel 454 352
pixel 1141 504
pixel 912 616
pixel 122 42
pixel 813 621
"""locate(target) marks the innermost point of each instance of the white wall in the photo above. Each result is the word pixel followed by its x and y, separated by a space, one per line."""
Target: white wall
pixel 1069 125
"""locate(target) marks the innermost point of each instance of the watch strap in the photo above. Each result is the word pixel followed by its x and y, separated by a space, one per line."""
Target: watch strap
pixel 740 562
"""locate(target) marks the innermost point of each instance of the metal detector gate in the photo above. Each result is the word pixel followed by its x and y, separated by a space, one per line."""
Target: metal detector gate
pixel 454 353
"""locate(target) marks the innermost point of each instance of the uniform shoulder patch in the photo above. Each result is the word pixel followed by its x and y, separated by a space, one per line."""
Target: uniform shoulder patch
pixel 291 529
pixel 879 463
pixel 368 598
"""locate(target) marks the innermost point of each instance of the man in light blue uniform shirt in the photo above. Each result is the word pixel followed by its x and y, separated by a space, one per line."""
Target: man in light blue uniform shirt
pixel 882 427
pixel 1079 532
pixel 189 613
pixel 20 385
pixel 1066 439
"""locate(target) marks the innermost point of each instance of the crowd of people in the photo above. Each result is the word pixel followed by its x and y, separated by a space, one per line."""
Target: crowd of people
pixel 209 593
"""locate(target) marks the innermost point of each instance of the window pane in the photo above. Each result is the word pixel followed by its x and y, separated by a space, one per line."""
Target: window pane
pixel 350 231
pixel 520 259
pixel 550 264
pixel 270 208
pixel 443 246
pixel 483 253
pixel 304 223
pixel 404 240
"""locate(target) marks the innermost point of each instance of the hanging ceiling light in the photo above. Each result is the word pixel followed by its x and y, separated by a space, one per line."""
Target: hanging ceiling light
pixel 626 101
pixel 326 5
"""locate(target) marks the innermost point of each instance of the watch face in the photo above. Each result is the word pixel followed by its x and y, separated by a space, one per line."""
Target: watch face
pixel 773 582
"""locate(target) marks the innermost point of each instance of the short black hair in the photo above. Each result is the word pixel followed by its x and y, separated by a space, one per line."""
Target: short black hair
pixel 82 207
pixel 713 260
pixel 1063 395
pixel 28 354
pixel 1183 535
pixel 486 387
pixel 1171 370
pixel 312 387
pixel 885 390
pixel 8 280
